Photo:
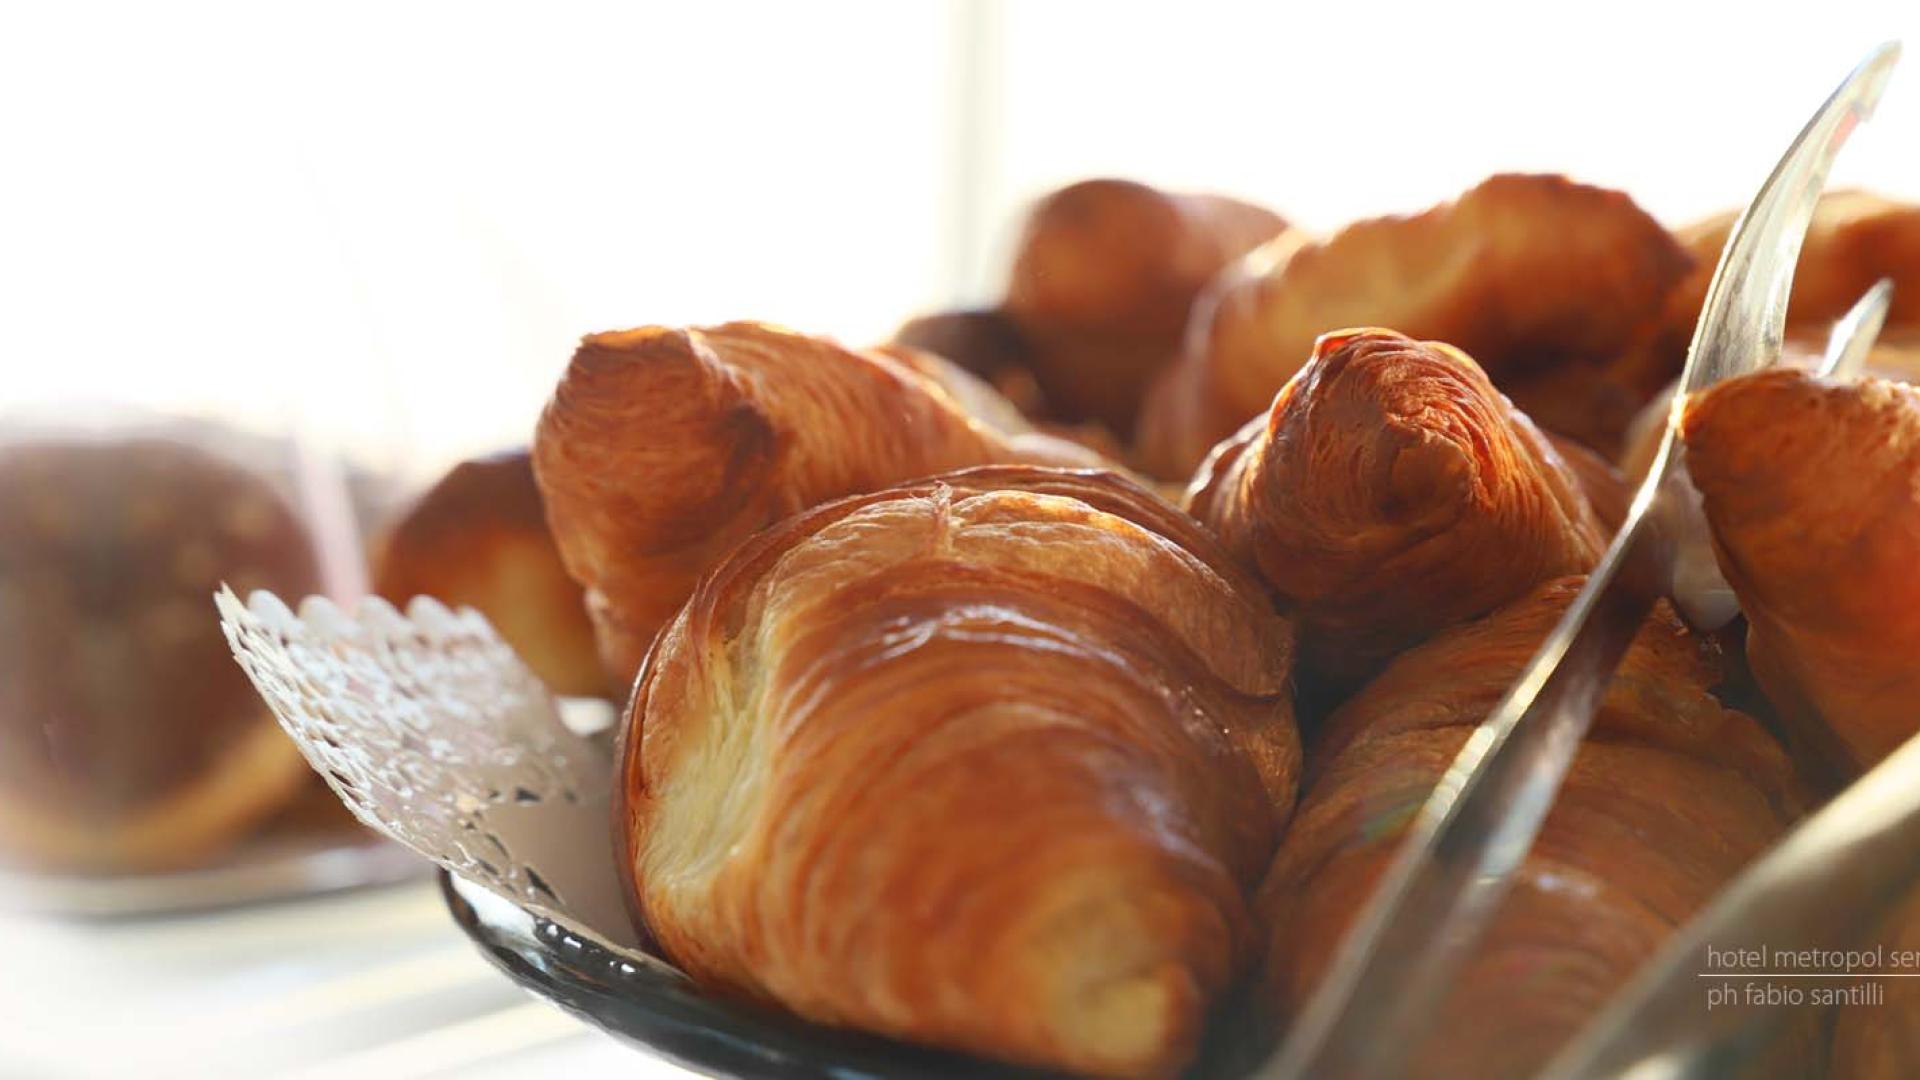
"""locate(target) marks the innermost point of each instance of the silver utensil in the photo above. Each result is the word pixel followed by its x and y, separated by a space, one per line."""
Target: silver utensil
pixel 1853 336
pixel 1695 583
pixel 1834 876
pixel 1393 968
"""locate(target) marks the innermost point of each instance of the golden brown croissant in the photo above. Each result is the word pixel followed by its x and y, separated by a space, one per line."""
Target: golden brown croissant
pixel 661 449
pixel 1523 272
pixel 1810 488
pixel 1668 798
pixel 129 739
pixel 1103 279
pixel 1854 240
pixel 1391 492
pixel 989 761
pixel 479 537
pixel 1896 355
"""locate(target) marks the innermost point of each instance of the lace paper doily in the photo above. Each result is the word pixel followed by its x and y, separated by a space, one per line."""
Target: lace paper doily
pixel 435 734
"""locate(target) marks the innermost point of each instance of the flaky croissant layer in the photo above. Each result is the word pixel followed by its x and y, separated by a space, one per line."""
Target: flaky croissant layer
pixel 1391 492
pixel 662 449
pixel 1529 274
pixel 1669 797
pixel 988 762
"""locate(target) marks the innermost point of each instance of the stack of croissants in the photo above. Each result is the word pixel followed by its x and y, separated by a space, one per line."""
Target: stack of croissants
pixel 1056 678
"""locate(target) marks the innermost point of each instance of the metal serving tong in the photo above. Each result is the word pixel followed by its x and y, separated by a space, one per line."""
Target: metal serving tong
pixel 1435 899
pixel 1853 336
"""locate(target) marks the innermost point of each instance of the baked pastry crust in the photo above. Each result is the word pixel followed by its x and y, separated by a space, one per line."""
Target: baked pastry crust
pixel 479 538
pixel 1809 487
pixel 1523 272
pixel 1104 277
pixel 1669 797
pixel 662 449
pixel 989 761
pixel 1389 493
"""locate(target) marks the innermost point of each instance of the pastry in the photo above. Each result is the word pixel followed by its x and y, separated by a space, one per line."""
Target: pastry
pixel 662 449
pixel 1810 490
pixel 989 761
pixel 1391 492
pixel 1669 797
pixel 129 738
pixel 1524 273
pixel 1104 276
pixel 479 538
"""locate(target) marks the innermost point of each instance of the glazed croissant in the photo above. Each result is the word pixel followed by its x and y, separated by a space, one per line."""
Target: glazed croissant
pixel 1529 274
pixel 1668 798
pixel 1389 493
pixel 661 449
pixel 1854 240
pixel 989 761
pixel 1810 490
pixel 1104 276
pixel 479 537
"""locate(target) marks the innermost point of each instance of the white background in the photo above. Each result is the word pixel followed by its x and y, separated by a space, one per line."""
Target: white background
pixel 394 219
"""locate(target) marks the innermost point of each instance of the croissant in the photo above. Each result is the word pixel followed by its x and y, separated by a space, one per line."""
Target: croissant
pixel 1894 356
pixel 1104 276
pixel 1390 492
pixel 1854 239
pixel 661 449
pixel 1526 273
pixel 1670 795
pixel 1809 488
pixel 990 761
pixel 479 537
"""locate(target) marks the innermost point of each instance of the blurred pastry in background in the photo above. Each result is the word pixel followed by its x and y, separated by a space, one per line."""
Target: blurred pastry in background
pixel 479 538
pixel 129 738
pixel 1810 489
pixel 991 761
pixel 1542 280
pixel 1668 798
pixel 1104 278
pixel 985 343
pixel 1854 240
pixel 1392 492
pixel 662 449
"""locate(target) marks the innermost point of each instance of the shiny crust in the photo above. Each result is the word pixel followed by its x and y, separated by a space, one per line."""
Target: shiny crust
pixel 1389 493
pixel 1854 240
pixel 1104 277
pixel 662 449
pixel 1522 272
pixel 1810 488
pixel 1670 796
pixel 989 762
pixel 479 537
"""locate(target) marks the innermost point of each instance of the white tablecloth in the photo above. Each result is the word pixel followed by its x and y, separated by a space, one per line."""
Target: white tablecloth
pixel 376 983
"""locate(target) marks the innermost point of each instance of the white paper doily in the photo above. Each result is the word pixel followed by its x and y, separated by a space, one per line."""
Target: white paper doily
pixel 435 734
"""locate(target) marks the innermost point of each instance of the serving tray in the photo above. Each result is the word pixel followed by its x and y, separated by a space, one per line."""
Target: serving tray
pixel 659 1011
